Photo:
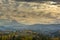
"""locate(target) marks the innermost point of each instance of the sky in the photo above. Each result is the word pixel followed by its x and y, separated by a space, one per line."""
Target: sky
pixel 39 0
pixel 30 12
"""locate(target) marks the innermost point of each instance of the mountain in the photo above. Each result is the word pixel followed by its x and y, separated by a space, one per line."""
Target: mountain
pixel 55 34
pixel 40 28
pixel 44 27
pixel 6 24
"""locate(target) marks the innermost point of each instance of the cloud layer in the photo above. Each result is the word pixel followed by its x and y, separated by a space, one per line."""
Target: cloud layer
pixel 31 12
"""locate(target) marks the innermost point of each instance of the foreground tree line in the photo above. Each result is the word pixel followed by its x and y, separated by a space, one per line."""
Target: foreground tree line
pixel 25 35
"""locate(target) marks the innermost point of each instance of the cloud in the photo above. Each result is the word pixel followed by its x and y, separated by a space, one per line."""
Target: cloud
pixel 32 13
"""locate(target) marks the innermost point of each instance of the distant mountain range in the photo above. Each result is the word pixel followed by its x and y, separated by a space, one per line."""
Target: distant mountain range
pixel 43 28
